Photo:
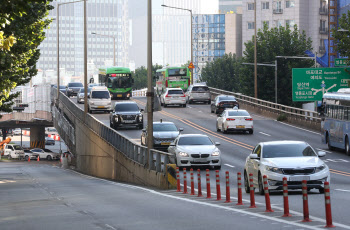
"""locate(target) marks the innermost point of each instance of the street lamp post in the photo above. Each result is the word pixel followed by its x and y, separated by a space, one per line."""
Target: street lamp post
pixel 114 64
pixel 178 8
pixel 255 56
pixel 58 42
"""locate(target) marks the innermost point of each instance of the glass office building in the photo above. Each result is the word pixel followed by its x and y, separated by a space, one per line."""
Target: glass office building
pixel 105 17
pixel 208 40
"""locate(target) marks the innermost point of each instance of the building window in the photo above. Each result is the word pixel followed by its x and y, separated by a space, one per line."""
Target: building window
pixel 250 6
pixel 290 4
pixel 265 5
pixel 290 23
pixel 267 23
pixel 278 23
pixel 250 25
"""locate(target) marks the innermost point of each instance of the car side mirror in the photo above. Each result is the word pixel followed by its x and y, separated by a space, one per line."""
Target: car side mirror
pixel 142 110
pixel 217 143
pixel 254 156
pixel 321 153
pixel 181 129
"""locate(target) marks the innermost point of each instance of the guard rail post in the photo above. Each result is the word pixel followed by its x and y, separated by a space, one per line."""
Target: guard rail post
pixel 285 198
pixel 218 192
pixel 267 195
pixel 199 183
pixel 208 183
pixel 178 179
pixel 192 183
pixel 327 197
pixel 239 188
pixel 228 199
pixel 185 181
pixel 251 186
pixel 305 202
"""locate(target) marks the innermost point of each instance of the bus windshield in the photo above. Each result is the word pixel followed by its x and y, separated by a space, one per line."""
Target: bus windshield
pixel 119 82
pixel 177 72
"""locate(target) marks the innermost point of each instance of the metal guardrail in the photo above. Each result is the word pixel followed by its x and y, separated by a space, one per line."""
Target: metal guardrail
pixel 157 159
pixel 277 108
pixel 139 93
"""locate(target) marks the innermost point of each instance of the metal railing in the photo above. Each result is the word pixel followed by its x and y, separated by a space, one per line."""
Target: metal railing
pixel 278 11
pixel 323 30
pixel 270 106
pixel 323 10
pixel 157 159
pixel 139 93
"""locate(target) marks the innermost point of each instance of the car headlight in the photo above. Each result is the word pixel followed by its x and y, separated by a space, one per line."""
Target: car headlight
pixel 140 117
pixel 109 103
pixel 320 168
pixel 70 89
pixel 216 153
pixel 116 118
pixel 182 154
pixel 92 103
pixel 273 169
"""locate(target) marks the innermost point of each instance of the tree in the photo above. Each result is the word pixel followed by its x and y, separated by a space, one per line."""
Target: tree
pixel 342 36
pixel 22 24
pixel 222 73
pixel 282 41
pixel 140 76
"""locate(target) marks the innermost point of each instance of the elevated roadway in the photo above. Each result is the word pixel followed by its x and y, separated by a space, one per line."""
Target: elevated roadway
pixel 236 147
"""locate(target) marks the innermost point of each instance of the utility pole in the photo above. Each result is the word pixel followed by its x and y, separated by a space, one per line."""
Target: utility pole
pixel 255 57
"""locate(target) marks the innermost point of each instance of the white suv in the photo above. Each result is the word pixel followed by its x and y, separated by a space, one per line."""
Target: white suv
pixel 14 151
pixel 173 96
pixel 99 99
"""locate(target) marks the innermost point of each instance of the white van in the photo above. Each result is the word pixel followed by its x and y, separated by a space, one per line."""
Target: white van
pixel 14 151
pixel 99 99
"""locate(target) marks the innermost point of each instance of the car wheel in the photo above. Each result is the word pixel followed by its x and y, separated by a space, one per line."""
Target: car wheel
pixel 251 131
pixel 49 158
pixel 141 126
pixel 190 102
pixel 328 142
pixel 217 127
pixel 321 190
pixel 165 105
pixel 246 183
pixel 211 110
pixel 26 158
pixel 223 129
pixel 184 105
pixel 261 185
pixel 347 147
pixel 216 111
pixel 209 102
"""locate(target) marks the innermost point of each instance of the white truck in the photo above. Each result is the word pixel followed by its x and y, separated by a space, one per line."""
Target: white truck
pixel 14 151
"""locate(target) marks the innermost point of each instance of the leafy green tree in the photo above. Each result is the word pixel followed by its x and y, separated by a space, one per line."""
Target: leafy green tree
pixel 140 76
pixel 22 24
pixel 223 73
pixel 342 36
pixel 282 41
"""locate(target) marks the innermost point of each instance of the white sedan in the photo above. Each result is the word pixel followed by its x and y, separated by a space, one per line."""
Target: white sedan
pixel 295 160
pixel 234 120
pixel 46 154
pixel 195 150
pixel 173 96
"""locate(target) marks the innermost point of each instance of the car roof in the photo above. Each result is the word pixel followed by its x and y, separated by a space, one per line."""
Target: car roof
pixel 164 122
pixel 224 95
pixel 174 89
pixel 193 135
pixel 125 102
pixel 236 110
pixel 284 142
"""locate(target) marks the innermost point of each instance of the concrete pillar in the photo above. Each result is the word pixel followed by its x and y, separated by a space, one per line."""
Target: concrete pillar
pixel 37 137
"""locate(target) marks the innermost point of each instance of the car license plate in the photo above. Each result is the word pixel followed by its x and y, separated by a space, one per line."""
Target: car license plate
pixel 128 121
pixel 119 95
pixel 101 107
pixel 240 126
pixel 299 178
pixel 165 143
pixel 200 160
pixel 175 97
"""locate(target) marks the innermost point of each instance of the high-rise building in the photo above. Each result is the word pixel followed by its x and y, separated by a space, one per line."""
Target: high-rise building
pixel 310 16
pixel 230 6
pixel 104 17
pixel 213 36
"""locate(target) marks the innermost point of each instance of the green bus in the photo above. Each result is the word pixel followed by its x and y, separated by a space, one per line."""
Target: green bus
pixel 118 80
pixel 172 77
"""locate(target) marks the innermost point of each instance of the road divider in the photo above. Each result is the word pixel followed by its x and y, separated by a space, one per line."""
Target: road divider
pixel 305 202
pixel 285 198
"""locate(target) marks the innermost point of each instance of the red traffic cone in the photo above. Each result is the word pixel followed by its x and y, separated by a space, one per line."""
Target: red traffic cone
pixel 29 159
pixel 38 159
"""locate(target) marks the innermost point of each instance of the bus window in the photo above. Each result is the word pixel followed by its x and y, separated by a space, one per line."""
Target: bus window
pixel 110 83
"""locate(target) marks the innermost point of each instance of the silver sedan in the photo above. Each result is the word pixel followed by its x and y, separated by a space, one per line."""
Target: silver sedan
pixel 81 95
pixel 195 150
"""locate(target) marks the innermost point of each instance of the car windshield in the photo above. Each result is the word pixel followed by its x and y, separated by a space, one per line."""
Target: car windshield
pixel 238 113
pixel 177 72
pixel 27 151
pixel 82 90
pixel 100 94
pixel 164 128
pixel 62 87
pixel 288 150
pixel 38 150
pixel 200 88
pixel 126 107
pixel 76 84
pixel 48 150
pixel 227 98
pixel 193 140
pixel 17 147
pixel 175 92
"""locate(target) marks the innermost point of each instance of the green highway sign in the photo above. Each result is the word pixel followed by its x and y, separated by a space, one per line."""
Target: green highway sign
pixel 341 62
pixel 309 84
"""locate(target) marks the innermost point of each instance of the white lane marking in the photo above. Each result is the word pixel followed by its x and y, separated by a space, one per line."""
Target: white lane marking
pixel 265 134
pixel 299 128
pixel 189 107
pixel 200 111
pixel 342 190
pixel 108 226
pixel 244 212
pixel 229 165
pixel 213 115
pixel 324 150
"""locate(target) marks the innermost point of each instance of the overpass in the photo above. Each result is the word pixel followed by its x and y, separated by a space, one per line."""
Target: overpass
pixel 36 116
pixel 104 152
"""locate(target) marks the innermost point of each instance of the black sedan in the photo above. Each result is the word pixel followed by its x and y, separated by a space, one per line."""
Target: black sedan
pixel 222 102
pixel 73 88
pixel 164 133
pixel 126 114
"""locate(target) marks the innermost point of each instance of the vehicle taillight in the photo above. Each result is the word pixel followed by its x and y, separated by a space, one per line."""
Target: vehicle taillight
pixel 249 119
pixel 167 95
pixel 183 95
pixel 166 83
pixel 230 119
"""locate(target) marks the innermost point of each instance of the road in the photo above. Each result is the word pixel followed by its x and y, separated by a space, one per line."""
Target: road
pixel 236 147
